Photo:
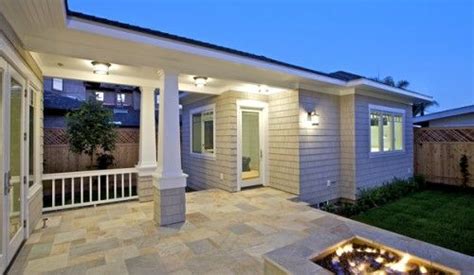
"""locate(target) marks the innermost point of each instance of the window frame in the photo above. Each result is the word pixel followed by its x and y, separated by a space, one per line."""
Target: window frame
pixel 200 110
pixel 55 81
pixel 383 111
pixel 96 93
pixel 121 101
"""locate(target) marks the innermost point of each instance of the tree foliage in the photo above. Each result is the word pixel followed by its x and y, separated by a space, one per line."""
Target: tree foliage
pixel 418 109
pixel 90 129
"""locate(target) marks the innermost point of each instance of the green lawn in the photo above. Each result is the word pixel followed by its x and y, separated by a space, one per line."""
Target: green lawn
pixel 441 217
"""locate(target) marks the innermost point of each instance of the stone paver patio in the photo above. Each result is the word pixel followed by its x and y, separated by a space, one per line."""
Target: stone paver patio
pixel 224 233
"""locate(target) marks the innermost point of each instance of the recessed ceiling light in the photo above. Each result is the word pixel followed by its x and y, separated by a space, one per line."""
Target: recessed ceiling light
pixel 263 89
pixel 101 68
pixel 200 81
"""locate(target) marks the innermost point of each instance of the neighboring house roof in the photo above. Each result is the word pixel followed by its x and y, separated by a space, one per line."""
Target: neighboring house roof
pixel 445 114
pixel 346 76
pixel 54 101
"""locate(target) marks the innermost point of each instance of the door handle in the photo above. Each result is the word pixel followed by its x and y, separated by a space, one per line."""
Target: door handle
pixel 7 183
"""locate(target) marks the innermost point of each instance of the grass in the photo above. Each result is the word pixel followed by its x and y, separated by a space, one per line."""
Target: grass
pixel 443 217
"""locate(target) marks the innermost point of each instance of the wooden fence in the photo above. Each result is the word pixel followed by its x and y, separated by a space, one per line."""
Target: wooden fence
pixel 58 158
pixel 438 152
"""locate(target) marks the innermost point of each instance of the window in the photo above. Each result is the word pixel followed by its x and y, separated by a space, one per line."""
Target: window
pixel 120 99
pixel 57 84
pixel 99 96
pixel 203 130
pixel 386 129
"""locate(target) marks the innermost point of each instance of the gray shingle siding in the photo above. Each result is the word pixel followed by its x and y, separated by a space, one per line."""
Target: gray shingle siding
pixel 302 159
pixel 373 171
pixel 206 173
pixel 283 141
pixel 319 152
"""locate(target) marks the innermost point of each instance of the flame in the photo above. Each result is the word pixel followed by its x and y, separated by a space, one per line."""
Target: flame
pixel 344 249
pixel 379 260
pixel 400 266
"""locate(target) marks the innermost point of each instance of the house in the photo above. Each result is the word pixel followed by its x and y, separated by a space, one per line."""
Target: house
pixel 457 117
pixel 246 119
pixel 64 95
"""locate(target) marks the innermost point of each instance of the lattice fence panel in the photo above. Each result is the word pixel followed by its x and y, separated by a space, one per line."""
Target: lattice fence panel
pixel 444 135
pixel 58 136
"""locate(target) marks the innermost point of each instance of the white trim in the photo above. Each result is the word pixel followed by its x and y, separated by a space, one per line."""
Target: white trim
pixel 201 109
pixel 391 111
pixel 387 88
pixel 263 108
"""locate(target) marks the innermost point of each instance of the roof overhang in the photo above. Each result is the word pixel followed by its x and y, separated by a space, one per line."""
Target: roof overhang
pixel 47 28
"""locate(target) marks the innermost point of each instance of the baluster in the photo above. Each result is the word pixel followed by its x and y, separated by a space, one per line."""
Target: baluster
pixel 90 189
pixel 107 181
pixel 63 193
pixel 72 190
pixel 82 190
pixel 53 184
pixel 130 184
pixel 123 187
pixel 115 186
pixel 99 198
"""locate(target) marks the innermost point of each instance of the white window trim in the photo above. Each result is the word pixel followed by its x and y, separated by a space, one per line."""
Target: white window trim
pixel 387 110
pixel 96 93
pixel 62 84
pixel 204 155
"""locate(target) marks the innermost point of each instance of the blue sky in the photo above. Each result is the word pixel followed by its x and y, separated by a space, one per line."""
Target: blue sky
pixel 427 42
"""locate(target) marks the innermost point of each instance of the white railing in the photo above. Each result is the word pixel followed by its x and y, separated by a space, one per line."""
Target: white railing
pixel 85 188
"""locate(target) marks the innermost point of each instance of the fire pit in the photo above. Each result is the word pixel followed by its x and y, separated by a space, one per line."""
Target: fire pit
pixel 358 256
pixel 341 246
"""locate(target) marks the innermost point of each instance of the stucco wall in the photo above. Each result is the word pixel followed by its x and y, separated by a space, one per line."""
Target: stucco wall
pixel 206 173
pixel 319 147
pixel 373 171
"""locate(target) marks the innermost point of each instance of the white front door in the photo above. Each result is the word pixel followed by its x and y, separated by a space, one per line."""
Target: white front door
pixel 13 150
pixel 252 149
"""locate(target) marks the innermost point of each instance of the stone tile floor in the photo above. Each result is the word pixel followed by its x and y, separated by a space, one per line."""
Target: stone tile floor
pixel 224 233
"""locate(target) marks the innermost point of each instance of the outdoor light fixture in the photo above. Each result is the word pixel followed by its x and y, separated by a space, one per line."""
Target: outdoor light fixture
pixel 263 89
pixel 200 81
pixel 313 118
pixel 101 68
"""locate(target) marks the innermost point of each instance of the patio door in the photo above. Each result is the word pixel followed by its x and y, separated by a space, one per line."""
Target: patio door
pixel 13 141
pixel 251 151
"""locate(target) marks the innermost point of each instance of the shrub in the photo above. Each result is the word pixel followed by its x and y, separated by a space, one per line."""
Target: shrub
pixel 464 168
pixel 378 196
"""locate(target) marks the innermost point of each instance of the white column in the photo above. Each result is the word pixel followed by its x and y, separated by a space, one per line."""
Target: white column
pixel 170 182
pixel 169 145
pixel 147 151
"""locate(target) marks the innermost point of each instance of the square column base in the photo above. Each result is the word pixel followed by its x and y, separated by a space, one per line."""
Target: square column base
pixel 169 205
pixel 145 188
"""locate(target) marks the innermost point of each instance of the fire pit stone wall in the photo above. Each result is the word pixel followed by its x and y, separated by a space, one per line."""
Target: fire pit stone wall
pixel 330 232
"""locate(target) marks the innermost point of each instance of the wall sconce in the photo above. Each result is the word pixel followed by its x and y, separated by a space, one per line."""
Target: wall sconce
pixel 101 68
pixel 313 118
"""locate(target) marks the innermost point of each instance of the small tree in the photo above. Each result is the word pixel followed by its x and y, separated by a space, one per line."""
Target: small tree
pixel 464 167
pixel 90 129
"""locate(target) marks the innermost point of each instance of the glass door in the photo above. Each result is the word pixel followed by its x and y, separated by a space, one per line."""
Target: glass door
pixel 13 188
pixel 251 148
